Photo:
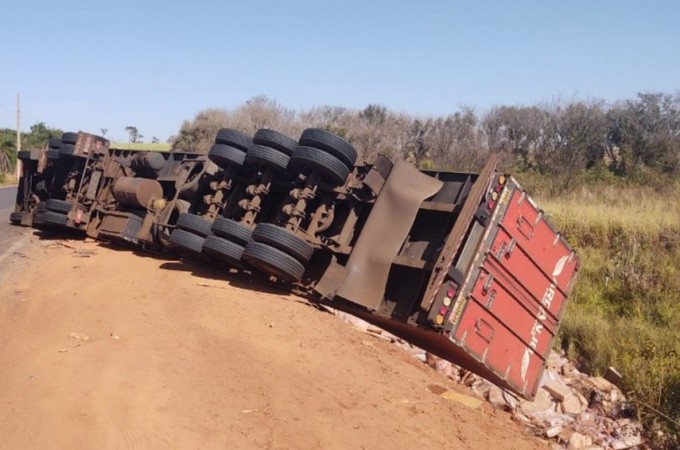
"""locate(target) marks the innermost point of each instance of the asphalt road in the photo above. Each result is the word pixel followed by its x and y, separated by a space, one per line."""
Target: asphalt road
pixel 9 234
pixel 7 196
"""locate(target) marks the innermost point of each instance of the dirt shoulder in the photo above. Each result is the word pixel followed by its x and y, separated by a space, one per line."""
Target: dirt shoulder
pixel 175 360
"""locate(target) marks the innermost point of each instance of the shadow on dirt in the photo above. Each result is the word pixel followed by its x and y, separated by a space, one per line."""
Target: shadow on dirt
pixel 240 278
pixel 197 265
pixel 52 234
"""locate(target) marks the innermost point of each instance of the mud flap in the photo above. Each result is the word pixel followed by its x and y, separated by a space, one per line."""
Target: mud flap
pixel 384 233
pixel 120 225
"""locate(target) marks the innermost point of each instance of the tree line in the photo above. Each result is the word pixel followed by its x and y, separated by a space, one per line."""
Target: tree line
pixel 37 137
pixel 562 140
pixel 636 139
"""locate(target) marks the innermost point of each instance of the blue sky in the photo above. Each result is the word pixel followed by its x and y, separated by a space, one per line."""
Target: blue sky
pixel 108 64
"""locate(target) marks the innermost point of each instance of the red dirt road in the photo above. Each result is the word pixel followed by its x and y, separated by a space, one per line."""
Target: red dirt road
pixel 175 360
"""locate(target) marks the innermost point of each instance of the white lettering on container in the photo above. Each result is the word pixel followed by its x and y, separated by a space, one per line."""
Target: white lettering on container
pixel 537 329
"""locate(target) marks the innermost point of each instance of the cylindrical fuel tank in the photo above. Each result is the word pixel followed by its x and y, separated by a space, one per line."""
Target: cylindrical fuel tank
pixel 147 160
pixel 136 191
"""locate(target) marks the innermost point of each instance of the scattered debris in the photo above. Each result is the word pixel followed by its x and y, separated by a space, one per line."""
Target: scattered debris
pixel 210 285
pixel 614 377
pixel 65 349
pixel 79 336
pixel 114 336
pixel 573 410
pixel 554 431
pixel 557 389
pixel 465 400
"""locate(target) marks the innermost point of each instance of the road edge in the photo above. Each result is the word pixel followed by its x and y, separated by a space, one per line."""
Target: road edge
pixel 5 268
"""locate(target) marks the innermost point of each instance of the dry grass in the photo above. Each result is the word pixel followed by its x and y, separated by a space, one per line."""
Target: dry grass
pixel 639 208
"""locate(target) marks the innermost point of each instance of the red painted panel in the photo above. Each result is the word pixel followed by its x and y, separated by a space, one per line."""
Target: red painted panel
pixel 509 308
pixel 493 343
pixel 538 240
pixel 522 270
pixel 515 294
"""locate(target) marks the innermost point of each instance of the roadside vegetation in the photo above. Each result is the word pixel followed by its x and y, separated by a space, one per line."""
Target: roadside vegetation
pixel 37 137
pixel 40 133
pixel 624 310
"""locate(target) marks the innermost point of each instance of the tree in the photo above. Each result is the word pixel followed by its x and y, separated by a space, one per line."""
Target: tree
pixel 38 135
pixel 574 142
pixel 133 132
pixel 645 133
pixel 516 131
pixel 36 138
pixel 374 114
pixel 8 153
pixel 198 135
pixel 154 140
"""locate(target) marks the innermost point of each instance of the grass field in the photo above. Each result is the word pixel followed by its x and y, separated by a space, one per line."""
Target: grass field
pixel 624 310
pixel 160 147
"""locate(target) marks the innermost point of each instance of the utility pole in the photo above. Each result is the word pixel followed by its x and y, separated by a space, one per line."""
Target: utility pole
pixel 18 136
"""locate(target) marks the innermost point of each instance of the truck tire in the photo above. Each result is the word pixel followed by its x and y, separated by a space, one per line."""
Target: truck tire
pixel 330 167
pixel 54 143
pixel 187 240
pixel 223 250
pixel 272 261
pixel 170 214
pixel 283 240
pixel 24 155
pixel 230 229
pixel 52 153
pixel 335 145
pixel 60 206
pixel 196 224
pixel 15 218
pixel 69 138
pixel 50 218
pixel 233 138
pixel 66 150
pixel 225 155
pixel 276 140
pixel 267 157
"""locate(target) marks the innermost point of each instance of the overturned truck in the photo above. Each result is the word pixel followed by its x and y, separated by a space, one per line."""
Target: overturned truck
pixel 464 265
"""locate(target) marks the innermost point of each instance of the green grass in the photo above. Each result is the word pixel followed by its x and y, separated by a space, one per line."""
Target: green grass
pixel 8 179
pixel 160 147
pixel 625 307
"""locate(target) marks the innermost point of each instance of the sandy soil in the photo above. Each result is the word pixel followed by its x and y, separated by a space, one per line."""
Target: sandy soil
pixel 175 360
